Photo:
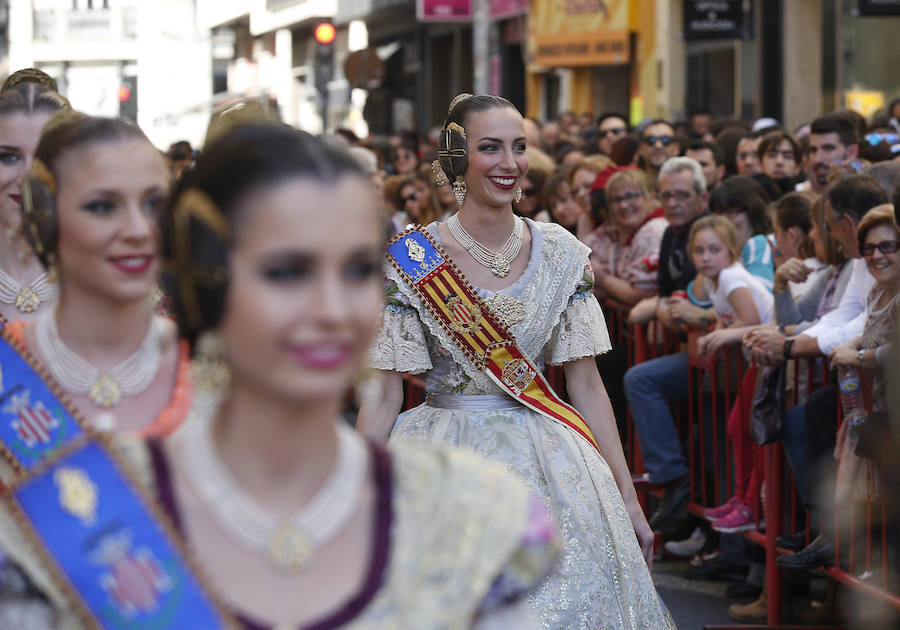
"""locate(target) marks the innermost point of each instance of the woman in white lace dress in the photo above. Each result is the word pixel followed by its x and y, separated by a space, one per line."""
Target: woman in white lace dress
pixel 540 285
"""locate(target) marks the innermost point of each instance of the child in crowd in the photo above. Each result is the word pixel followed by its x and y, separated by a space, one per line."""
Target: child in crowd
pixel 740 300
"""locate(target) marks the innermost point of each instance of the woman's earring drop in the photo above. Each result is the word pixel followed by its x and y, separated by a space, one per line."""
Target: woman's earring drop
pixel 459 189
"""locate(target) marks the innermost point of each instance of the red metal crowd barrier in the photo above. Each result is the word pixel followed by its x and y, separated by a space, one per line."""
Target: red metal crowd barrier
pixel 719 378
pixel 866 544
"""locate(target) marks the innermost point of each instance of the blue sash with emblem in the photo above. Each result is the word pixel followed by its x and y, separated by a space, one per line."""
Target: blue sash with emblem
pixel 103 542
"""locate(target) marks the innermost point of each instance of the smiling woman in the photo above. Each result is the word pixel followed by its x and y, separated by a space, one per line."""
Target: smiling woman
pixel 26 103
pixel 526 286
pixel 91 204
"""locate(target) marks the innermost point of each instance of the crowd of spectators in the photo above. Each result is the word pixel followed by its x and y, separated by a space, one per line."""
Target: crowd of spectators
pixel 780 243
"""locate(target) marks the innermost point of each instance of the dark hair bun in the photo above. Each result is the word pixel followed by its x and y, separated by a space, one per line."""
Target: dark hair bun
pixel 197 229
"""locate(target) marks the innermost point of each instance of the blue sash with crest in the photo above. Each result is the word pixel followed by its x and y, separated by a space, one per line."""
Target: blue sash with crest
pixel 103 542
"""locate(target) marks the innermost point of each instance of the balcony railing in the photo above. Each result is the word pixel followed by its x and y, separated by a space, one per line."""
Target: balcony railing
pixel 85 25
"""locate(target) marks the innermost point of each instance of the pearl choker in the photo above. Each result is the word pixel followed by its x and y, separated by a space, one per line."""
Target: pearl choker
pixel 104 388
pixel 288 545
pixel 498 262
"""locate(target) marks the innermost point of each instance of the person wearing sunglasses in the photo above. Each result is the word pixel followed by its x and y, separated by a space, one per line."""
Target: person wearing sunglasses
pixel 610 127
pixel 879 241
pixel 658 144
pixel 880 145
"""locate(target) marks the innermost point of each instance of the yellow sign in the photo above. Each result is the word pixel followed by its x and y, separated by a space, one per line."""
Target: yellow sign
pixel 866 102
pixel 579 32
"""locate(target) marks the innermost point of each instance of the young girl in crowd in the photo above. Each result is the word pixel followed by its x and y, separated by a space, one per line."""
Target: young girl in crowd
pixel 742 200
pixel 741 301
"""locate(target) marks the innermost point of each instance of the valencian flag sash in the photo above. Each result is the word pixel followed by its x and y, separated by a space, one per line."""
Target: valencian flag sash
pixel 475 329
pixel 102 540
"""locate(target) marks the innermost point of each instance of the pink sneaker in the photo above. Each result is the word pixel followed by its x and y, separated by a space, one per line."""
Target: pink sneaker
pixel 714 514
pixel 741 519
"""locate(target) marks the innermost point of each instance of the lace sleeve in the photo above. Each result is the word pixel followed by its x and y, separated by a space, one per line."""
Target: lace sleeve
pixel 581 331
pixel 400 345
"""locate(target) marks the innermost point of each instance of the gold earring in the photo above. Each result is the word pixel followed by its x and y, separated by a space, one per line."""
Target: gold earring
pixel 440 178
pixel 459 189
pixel 52 276
pixel 210 368
pixel 518 196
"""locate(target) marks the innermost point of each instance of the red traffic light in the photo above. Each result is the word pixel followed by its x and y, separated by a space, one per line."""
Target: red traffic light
pixel 124 93
pixel 325 33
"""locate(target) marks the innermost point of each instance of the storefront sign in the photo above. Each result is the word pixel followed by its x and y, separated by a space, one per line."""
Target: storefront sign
pixel 579 32
pixel 503 9
pixel 879 7
pixel 713 19
pixel 444 10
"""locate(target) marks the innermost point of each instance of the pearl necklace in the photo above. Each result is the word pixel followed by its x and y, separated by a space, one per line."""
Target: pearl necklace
pixel 28 297
pixel 105 389
pixel 288 545
pixel 498 262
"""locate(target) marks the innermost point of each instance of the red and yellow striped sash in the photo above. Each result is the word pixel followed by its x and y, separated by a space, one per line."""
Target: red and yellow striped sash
pixel 475 329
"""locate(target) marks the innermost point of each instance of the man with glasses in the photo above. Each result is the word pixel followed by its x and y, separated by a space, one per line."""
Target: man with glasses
pixel 610 127
pixel 649 386
pixel 658 144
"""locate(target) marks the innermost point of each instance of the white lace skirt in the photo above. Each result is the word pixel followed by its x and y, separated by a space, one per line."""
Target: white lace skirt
pixel 602 580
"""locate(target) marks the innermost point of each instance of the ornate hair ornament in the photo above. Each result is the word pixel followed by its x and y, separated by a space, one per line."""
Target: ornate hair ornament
pixel 440 178
pixel 458 128
pixel 194 205
pixel 457 100
pixel 42 214
pixel 29 75
pixel 40 172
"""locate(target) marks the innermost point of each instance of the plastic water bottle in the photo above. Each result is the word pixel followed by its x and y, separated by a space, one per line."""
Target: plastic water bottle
pixel 852 403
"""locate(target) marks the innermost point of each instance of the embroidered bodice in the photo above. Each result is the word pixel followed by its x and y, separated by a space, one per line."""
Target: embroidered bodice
pixel 562 320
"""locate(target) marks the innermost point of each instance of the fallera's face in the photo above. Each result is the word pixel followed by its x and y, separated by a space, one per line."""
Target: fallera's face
pixel 564 208
pixel 708 163
pixel 709 253
pixel 497 162
pixel 19 136
pixel 303 306
pixel 779 161
pixel 610 130
pixel 582 181
pixel 110 195
pixel 746 159
pixel 629 206
pixel 885 268
pixel 658 144
pixel 680 201
pixel 824 149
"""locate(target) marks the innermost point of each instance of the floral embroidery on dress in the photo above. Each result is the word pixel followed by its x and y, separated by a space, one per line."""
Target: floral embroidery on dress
pixel 602 581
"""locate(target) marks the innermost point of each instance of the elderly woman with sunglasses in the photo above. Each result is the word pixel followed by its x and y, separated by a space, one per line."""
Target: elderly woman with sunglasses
pixel 879 240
